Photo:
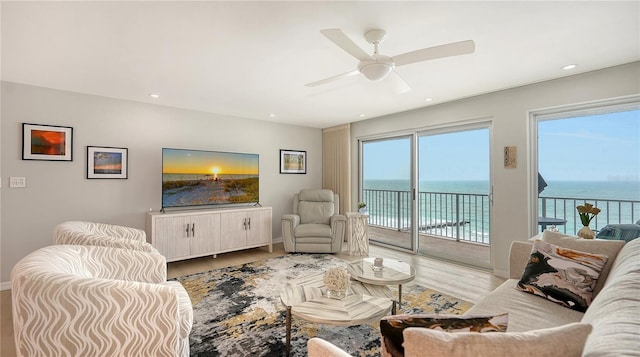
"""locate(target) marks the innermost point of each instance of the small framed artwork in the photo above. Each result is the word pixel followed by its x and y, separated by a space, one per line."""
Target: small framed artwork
pixel 293 162
pixel 107 162
pixel 510 157
pixel 47 142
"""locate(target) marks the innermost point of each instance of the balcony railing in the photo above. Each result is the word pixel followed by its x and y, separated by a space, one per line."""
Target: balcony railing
pixel 459 216
pixel 465 216
pixel 564 208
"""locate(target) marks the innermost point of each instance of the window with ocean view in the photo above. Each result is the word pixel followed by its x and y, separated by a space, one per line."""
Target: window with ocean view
pixel 589 156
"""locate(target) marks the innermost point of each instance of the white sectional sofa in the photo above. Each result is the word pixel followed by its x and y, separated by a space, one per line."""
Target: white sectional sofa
pixel 614 313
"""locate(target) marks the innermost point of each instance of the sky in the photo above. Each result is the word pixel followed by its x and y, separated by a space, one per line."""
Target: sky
pixel 592 148
pixel 177 161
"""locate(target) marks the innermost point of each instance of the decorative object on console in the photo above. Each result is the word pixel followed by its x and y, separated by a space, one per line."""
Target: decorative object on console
pixel 206 178
pixel 107 162
pixel 336 280
pixel 293 162
pixel 562 275
pixel 587 212
pixel 47 142
pixel 362 207
pixel 392 327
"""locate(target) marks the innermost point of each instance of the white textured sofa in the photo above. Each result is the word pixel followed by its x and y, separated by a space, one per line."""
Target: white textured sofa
pixel 101 234
pixel 72 300
pixel 614 313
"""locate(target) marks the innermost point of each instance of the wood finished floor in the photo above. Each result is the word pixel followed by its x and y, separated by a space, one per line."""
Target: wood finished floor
pixel 464 282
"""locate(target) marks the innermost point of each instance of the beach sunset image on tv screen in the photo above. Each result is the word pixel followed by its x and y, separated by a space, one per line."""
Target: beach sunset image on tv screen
pixel 198 177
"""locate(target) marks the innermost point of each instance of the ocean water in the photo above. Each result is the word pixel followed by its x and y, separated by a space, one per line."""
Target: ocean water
pixel 619 201
pixel 612 190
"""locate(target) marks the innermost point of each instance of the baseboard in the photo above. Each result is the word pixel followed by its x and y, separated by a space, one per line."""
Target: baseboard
pixel 5 285
pixel 501 273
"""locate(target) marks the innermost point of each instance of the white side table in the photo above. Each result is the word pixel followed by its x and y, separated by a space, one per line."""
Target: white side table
pixel 358 237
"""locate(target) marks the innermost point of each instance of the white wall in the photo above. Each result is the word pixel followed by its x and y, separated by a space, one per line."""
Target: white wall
pixel 59 191
pixel 508 111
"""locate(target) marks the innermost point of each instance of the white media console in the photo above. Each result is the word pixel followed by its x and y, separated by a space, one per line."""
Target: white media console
pixel 189 234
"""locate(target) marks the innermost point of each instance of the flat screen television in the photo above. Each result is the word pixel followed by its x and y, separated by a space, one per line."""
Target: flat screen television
pixel 205 178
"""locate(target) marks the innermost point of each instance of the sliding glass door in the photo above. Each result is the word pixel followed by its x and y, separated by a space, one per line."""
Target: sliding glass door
pixel 447 213
pixel 386 189
pixel 453 196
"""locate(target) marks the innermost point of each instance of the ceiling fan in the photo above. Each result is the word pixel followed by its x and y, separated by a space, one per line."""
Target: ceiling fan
pixel 377 67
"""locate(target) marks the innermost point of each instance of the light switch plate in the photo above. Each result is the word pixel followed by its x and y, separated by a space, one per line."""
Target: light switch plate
pixel 15 182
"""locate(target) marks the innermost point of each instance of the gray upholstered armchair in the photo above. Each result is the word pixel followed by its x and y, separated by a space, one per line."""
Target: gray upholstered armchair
pixel 315 225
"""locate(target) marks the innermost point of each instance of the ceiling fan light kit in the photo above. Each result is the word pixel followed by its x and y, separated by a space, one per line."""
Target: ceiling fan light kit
pixel 376 67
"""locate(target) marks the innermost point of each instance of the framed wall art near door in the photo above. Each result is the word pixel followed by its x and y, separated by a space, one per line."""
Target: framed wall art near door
pixel 293 162
pixel 107 162
pixel 47 142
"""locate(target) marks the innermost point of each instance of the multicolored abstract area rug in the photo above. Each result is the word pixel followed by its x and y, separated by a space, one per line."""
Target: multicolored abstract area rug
pixel 237 310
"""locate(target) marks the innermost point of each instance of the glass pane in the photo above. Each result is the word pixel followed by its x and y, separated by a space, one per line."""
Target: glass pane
pixel 386 167
pixel 591 159
pixel 453 199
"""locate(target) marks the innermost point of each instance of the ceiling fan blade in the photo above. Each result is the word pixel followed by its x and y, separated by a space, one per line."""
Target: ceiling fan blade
pixel 331 79
pixel 425 54
pixel 341 40
pixel 398 84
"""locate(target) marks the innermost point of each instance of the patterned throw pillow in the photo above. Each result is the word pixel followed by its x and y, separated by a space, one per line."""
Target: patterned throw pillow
pixel 391 327
pixel 564 276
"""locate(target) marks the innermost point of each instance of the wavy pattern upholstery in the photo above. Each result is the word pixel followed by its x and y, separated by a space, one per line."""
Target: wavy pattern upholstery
pixel 101 234
pixel 72 300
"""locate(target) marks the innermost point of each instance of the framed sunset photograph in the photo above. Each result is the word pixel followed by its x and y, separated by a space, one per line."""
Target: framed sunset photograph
pixel 107 162
pixel 47 142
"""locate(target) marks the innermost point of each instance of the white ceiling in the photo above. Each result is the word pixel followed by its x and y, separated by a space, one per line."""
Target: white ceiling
pixel 252 59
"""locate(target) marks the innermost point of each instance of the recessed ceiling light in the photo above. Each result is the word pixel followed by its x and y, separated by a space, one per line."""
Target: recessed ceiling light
pixel 272 115
pixel 570 66
pixel 361 115
pixel 154 95
pixel 428 99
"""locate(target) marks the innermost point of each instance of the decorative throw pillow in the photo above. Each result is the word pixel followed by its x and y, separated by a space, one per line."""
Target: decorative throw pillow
pixel 564 276
pixel 566 341
pixel 610 248
pixel 391 327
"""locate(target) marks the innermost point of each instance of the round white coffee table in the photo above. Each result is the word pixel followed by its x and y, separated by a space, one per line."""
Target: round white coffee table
pixel 393 272
pixel 306 298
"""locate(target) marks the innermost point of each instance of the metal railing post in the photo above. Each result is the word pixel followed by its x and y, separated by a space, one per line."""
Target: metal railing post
pixel 398 210
pixel 457 217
